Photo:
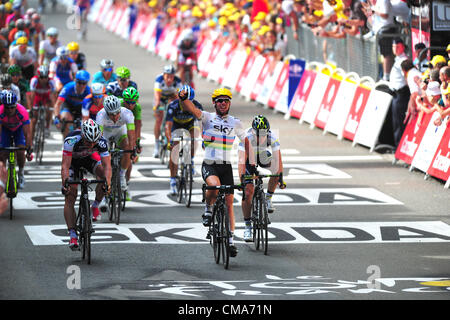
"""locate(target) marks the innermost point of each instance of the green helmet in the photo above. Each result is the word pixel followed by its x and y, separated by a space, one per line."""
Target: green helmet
pixel 14 69
pixel 123 72
pixel 130 94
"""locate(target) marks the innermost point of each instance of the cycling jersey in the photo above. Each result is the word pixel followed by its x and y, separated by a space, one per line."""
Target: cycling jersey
pixel 113 88
pixel 63 72
pixel 219 134
pixel 43 91
pixel 260 150
pixel 181 118
pixel 116 130
pixel 24 60
pixel 89 109
pixel 24 87
pixel 74 147
pixel 73 99
pixel 98 77
pixel 137 111
pixel 167 91
pixel 81 61
pixel 48 49
pixel 17 120
pixel 186 50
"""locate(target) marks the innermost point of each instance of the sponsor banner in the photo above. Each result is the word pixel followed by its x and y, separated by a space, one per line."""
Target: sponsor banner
pixel 340 108
pixel 429 144
pixel 106 20
pixel 301 95
pixel 118 12
pixel 440 166
pixel 315 98
pixel 269 84
pixel 441 15
pixel 219 61
pixel 282 102
pixel 203 56
pixel 124 24
pixel 296 69
pixel 356 111
pixel 258 85
pixel 327 103
pixel 279 233
pixel 245 71
pixel 95 10
pixel 217 46
pixel 412 136
pixel 139 29
pixel 227 66
pixel 236 66
pixel 151 36
pixel 418 36
pixel 252 76
pixel 104 9
pixel 278 94
pixel 161 39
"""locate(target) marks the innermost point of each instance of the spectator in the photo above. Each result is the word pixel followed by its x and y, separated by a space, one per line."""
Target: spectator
pixel 133 13
pixel 420 62
pixel 401 93
pixel 413 77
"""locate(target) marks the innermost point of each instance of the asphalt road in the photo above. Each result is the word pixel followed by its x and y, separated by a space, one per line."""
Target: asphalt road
pixel 349 226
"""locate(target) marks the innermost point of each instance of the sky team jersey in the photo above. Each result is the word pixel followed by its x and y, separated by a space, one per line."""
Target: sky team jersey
pixel 167 91
pixel 107 125
pixel 98 77
pixel 63 71
pixel 41 89
pixel 113 88
pixel 71 97
pixel 176 113
pixel 18 119
pixel 271 142
pixel 219 134
pixel 75 148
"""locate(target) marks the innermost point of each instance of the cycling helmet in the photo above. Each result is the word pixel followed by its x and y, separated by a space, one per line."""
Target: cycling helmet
pixel 82 75
pixel 260 122
pixel 17 4
pixel 97 89
pixel 188 35
pixel 8 98
pixel 8 7
pixel 190 92
pixel 221 92
pixel 42 71
pixel 130 94
pixel 19 34
pixel 22 40
pixel 111 105
pixel 61 52
pixel 30 11
pixel 106 63
pixel 20 24
pixel 14 69
pixel 123 72
pixel 73 46
pixel 5 79
pixel 2 8
pixel 90 130
pixel 52 32
pixel 36 17
pixel 170 69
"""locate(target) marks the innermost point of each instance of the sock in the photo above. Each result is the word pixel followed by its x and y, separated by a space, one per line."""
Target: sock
pixel 173 180
pixel 269 195
pixel 231 238
pixel 95 204
pixel 208 210
pixel 20 171
pixel 248 222
pixel 72 233
pixel 122 172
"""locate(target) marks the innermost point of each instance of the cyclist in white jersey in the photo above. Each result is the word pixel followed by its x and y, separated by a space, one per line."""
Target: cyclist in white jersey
pixel 47 47
pixel 219 132
pixel 118 123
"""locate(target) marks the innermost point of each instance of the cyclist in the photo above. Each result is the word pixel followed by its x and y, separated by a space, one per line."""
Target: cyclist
pixel 123 81
pixel 93 102
pixel 82 8
pixel 25 57
pixel 14 123
pixel 48 47
pixel 88 149
pixel 117 123
pixel 73 49
pixel 187 51
pixel 16 77
pixel 70 100
pixel 165 88
pixel 254 151
pixel 42 92
pixel 179 121
pixel 37 32
pixel 7 84
pixel 62 68
pixel 219 132
pixel 130 101
pixel 106 73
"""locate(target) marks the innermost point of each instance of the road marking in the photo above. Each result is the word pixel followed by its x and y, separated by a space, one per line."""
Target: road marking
pixel 279 233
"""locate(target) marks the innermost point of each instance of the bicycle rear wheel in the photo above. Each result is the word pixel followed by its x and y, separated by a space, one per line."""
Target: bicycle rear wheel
pixel 188 185
pixel 87 231
pixel 112 200
pixel 214 231
pixel 225 235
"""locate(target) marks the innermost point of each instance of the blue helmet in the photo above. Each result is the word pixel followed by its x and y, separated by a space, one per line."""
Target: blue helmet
pixel 190 92
pixel 8 98
pixel 82 75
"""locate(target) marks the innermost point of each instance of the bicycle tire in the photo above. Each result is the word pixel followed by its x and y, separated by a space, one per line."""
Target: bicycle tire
pixel 180 184
pixel 225 235
pixel 256 226
pixel 112 200
pixel 188 180
pixel 88 230
pixel 215 222
pixel 264 226
pixel 42 139
pixel 118 198
pixel 11 208
pixel 124 199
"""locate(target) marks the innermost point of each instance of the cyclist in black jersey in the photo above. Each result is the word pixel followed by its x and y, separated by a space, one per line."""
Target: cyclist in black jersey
pixel 88 149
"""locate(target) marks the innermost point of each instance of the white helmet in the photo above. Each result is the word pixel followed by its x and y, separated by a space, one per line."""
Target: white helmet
pixel 97 89
pixel 111 104
pixel 106 63
pixel 62 51
pixel 52 32
pixel 90 130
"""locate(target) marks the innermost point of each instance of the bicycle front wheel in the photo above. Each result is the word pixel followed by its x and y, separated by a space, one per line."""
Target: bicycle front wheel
pixel 188 180
pixel 256 226
pixel 180 184
pixel 118 198
pixel 263 223
pixel 225 234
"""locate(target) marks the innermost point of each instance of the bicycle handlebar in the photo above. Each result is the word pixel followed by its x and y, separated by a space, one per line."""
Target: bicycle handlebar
pixel 84 181
pixel 223 188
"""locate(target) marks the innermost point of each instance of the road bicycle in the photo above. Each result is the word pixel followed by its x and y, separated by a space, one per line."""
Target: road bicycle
pixel 219 232
pixel 11 182
pixel 117 198
pixel 163 141
pixel 39 132
pixel 84 226
pixel 185 177
pixel 260 218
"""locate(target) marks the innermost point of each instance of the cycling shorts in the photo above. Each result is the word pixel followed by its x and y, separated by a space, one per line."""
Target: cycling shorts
pixel 19 137
pixel 41 99
pixel 75 111
pixel 182 58
pixel 222 170
pixel 116 134
pixel 89 163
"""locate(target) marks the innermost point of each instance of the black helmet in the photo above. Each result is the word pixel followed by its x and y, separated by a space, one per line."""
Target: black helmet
pixel 260 122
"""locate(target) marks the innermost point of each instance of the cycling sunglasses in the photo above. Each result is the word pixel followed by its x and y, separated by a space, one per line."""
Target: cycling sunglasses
pixel 98 96
pixel 222 100
pixel 107 69
pixel 113 114
pixel 130 102
pixel 10 106
pixel 123 79
pixel 81 82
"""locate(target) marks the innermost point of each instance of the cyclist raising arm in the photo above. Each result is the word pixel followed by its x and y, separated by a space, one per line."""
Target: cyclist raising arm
pixel 253 151
pixel 219 132
pixel 88 149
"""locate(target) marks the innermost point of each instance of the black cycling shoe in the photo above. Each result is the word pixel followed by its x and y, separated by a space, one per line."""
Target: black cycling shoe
pixel 233 251
pixel 206 220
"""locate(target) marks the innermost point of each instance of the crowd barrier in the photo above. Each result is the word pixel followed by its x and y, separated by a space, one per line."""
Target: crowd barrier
pixel 337 102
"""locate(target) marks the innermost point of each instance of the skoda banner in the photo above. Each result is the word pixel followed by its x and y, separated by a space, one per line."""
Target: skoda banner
pixel 296 69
